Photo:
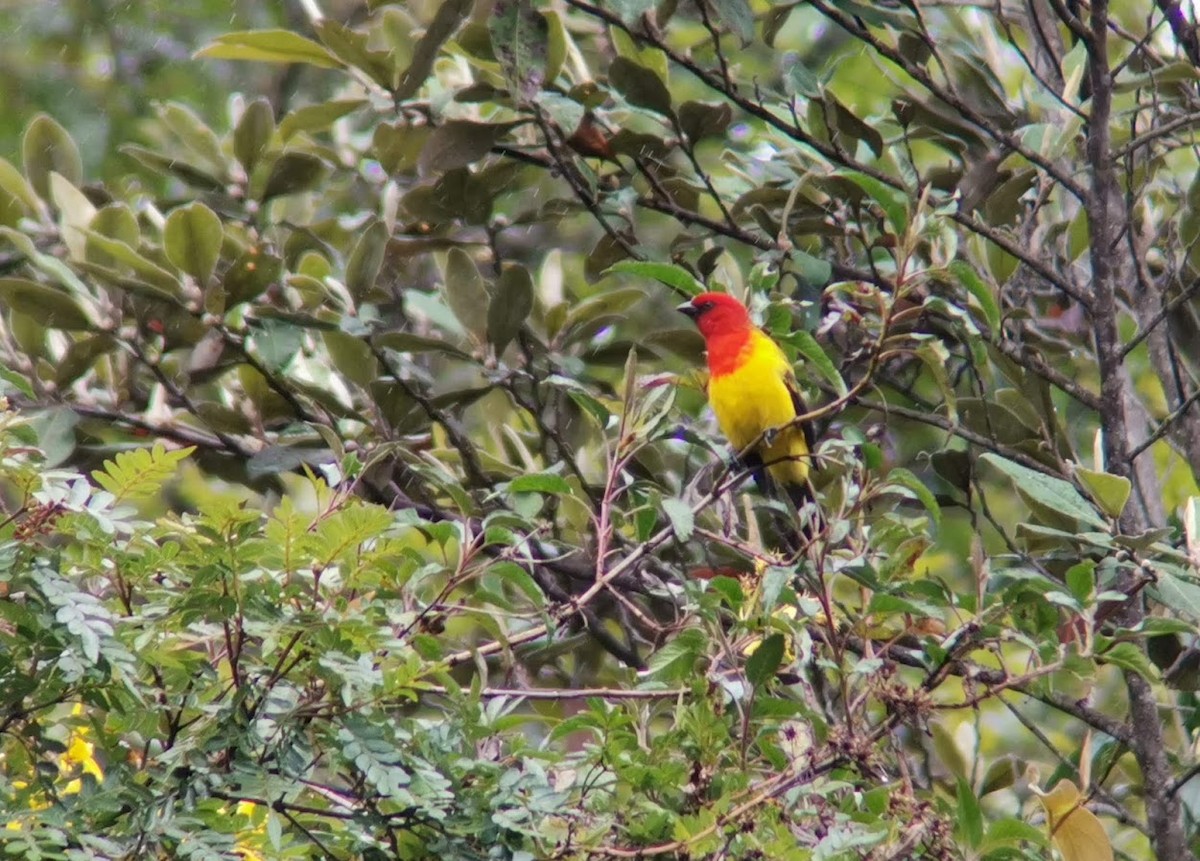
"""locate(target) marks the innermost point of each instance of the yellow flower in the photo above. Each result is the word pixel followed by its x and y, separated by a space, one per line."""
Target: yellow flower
pixel 80 752
pixel 79 758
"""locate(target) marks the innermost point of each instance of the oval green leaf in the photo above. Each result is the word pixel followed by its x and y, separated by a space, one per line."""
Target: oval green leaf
pixel 510 307
pixel 465 292
pixel 269 46
pixel 192 240
pixel 47 147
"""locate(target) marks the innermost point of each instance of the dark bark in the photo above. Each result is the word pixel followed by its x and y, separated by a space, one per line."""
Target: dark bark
pixel 1107 220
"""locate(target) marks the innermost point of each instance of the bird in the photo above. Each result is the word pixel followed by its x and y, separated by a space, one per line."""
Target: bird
pixel 752 390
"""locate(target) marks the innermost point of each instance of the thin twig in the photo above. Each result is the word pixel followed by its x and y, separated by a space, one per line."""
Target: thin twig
pixel 557 694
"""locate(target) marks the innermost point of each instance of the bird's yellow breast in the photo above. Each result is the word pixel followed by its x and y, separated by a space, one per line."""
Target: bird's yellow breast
pixel 755 397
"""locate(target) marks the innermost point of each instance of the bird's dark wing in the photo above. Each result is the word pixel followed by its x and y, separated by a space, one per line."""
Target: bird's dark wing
pixel 799 406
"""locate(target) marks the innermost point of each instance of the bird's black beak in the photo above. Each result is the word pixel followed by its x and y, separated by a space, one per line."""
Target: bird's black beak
pixel 688 310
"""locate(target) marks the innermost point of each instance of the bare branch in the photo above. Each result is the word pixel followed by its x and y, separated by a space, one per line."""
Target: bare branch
pixel 1107 220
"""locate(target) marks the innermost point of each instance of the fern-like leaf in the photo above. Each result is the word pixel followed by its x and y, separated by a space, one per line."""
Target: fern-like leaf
pixel 139 473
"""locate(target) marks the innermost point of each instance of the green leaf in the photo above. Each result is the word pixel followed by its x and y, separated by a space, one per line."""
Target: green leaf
pixel 254 132
pixel 269 46
pixel 195 137
pixel 1081 580
pixel 640 86
pixel 408 342
pixel 173 165
pixel 848 124
pixel 366 259
pixel 319 117
pixel 457 193
pixel 892 201
pixel 450 14
pixel 683 522
pixel 521 41
pixel 970 817
pixel 294 172
pixel 566 112
pixel 17 381
pixel 882 602
pixel 589 313
pixel 133 285
pixel 812 271
pixel 675 277
pixel 49 264
pixel 1011 832
pixel 906 479
pixel 969 278
pixel 107 252
pixel 808 347
pixel 192 240
pixel 458 143
pixel 1055 493
pixel 1110 492
pixel 397 148
pixel 556 44
pixel 773 583
pixel 465 292
pixel 799 80
pixel 1001 774
pixel 12 182
pixel 510 307
pixel 604 254
pixel 592 407
pixel 53 308
pixel 676 661
pixel 948 751
pixel 81 355
pixel 75 214
pixel 519 578
pixel 703 119
pixel 1132 657
pixel 1004 424
pixel 116 221
pixel 762 665
pixel 353 48
pixel 56 434
pixel 433 307
pixel 46 148
pixel 738 16
pixel 277 459
pixel 1176 72
pixel 351 357
pixel 540 482
pixel 250 275
pixel 630 11
pixel 1178 593
pixel 140 473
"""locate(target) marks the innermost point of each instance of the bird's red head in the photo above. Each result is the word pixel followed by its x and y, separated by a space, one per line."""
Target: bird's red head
pixel 717 314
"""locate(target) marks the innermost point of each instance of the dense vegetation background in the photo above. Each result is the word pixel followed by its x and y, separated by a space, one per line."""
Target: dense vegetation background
pixel 358 495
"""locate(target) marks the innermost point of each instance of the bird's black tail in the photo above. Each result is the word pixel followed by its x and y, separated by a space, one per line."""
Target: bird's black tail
pixel 807 521
pixel 810 522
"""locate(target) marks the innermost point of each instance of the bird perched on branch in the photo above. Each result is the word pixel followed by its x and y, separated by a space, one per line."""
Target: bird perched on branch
pixel 753 392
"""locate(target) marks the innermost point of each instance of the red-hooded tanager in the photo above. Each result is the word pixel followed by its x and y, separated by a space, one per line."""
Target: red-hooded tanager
pixel 753 393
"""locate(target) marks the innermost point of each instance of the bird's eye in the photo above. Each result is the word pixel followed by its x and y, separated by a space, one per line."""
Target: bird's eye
pixel 704 306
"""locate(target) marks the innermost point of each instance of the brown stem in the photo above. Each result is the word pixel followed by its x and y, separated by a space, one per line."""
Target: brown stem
pixel 1106 221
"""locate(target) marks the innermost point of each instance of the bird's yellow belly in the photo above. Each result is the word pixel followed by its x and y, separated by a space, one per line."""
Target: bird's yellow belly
pixel 754 399
pixel 744 407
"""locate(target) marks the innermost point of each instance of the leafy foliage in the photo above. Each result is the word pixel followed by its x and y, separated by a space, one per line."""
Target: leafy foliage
pixel 359 499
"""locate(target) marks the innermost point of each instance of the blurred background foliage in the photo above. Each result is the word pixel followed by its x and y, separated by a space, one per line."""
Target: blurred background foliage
pixel 359 498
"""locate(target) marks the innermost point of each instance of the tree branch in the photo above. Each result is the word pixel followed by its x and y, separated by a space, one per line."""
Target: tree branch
pixel 1104 213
